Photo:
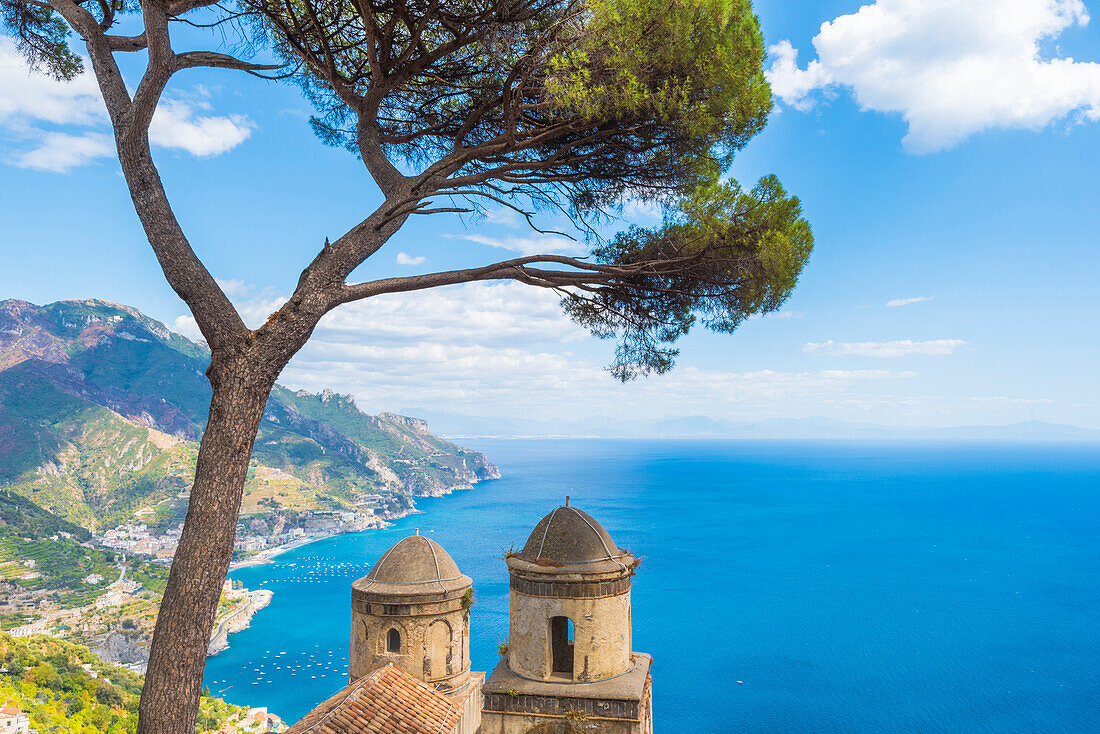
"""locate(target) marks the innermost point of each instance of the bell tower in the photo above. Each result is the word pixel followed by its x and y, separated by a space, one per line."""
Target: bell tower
pixel 569 654
pixel 413 610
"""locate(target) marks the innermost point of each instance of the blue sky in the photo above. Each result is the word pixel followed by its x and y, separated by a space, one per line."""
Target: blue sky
pixel 946 153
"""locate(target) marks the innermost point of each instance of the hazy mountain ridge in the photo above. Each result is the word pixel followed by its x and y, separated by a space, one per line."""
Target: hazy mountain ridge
pixel 463 426
pixel 101 408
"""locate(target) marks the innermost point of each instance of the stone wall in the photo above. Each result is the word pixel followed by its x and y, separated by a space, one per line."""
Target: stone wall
pixel 493 723
pixel 594 708
pixel 601 641
pixel 470 723
pixel 435 640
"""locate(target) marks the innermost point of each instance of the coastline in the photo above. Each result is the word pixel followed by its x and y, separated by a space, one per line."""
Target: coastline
pixel 237 621
pixel 260 598
pixel 266 555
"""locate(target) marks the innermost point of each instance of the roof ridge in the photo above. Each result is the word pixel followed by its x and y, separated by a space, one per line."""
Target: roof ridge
pixel 438 574
pixel 545 530
pixel 375 567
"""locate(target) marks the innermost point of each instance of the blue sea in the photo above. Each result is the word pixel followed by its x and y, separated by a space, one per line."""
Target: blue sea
pixel 785 587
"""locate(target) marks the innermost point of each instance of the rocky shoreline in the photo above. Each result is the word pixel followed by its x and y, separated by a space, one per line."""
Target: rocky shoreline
pixel 376 523
pixel 239 620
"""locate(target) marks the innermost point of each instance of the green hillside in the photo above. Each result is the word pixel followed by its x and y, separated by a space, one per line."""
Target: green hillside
pixel 20 516
pixel 81 460
pixel 65 688
pixel 101 409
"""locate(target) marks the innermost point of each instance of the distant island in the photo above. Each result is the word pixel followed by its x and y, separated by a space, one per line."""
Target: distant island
pixel 101 410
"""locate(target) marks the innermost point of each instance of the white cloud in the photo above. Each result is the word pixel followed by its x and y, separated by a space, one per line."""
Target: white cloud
pixel 534 245
pixel 499 348
pixel 234 286
pixel 405 259
pixel 187 326
pixel 506 349
pixel 255 312
pixel 951 68
pixel 176 125
pixel 895 302
pixel 488 314
pixel 40 97
pixel 1007 400
pixel 503 216
pixel 59 152
pixel 33 105
pixel 502 379
pixel 764 386
pixel 490 347
pixel 550 383
pixel 899 348
pixel 782 315
pixel 789 82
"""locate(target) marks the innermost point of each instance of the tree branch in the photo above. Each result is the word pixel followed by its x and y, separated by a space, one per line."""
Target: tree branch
pixel 109 78
pixel 215 60
pixel 584 273
pixel 215 315
pixel 127 43
pixel 179 7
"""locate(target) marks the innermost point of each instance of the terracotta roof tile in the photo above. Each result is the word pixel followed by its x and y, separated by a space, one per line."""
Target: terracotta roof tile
pixel 388 701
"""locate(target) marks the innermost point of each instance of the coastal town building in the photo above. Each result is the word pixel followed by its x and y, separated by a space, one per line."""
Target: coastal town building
pixel 568 665
pixel 253 721
pixel 14 721
pixel 261 720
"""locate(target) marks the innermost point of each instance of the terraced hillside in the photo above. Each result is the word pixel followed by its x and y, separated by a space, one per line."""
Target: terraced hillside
pixel 101 409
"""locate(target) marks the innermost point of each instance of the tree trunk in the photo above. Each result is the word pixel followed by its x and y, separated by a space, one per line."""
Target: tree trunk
pixel 177 658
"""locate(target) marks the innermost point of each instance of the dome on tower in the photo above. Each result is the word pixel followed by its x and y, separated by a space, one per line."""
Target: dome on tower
pixel 568 536
pixel 414 565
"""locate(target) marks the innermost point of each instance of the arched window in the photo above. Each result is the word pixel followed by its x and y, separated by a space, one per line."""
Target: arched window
pixel 561 645
pixel 393 641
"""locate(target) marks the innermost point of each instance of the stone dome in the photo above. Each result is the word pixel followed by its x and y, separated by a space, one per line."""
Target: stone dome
pixel 568 536
pixel 414 565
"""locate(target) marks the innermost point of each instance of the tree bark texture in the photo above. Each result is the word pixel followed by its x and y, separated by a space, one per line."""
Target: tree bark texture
pixel 177 660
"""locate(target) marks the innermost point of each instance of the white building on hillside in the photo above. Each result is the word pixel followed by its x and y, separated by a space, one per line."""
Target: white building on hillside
pixel 14 721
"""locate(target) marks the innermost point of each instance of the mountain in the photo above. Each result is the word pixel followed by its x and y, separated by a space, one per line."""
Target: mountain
pixel 101 409
pixel 464 426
